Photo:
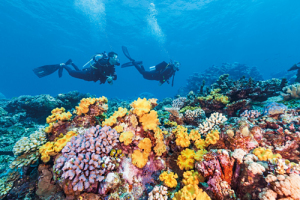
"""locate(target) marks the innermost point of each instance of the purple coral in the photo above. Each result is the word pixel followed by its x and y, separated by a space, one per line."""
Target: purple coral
pixel 85 158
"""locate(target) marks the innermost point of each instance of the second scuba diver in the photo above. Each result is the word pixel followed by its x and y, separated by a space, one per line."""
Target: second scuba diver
pixel 162 72
pixel 296 67
pixel 101 67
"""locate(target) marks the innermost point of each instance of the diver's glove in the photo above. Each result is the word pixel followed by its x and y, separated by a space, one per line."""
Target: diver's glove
pixel 109 80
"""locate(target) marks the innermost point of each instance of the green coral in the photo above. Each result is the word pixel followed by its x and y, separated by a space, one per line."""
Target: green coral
pixel 170 123
pixel 182 110
pixel 214 95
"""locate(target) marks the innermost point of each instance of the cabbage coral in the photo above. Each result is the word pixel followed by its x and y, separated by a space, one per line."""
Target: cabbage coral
pixel 194 135
pixel 192 178
pixel 169 179
pixel 190 192
pixel 212 137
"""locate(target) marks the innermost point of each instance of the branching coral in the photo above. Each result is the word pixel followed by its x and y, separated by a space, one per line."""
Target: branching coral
pixel 158 193
pixel 86 160
pixel 212 122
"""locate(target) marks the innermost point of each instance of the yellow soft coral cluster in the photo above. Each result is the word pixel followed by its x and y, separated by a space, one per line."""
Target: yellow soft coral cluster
pixel 121 112
pixel 194 135
pixel 211 138
pixel 141 106
pixel 190 192
pixel 52 148
pixel 169 179
pixel 192 178
pixel 160 146
pixel 187 157
pixel 265 154
pixel 85 103
pixel 126 137
pixel 182 136
pixel 58 114
pixel 140 158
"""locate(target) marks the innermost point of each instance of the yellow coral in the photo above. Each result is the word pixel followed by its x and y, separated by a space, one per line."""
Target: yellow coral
pixel 169 179
pixel 194 135
pixel 139 159
pixel 214 94
pixel 121 112
pixel 200 144
pixel 145 144
pixel 85 103
pixel 58 114
pixel 141 106
pixel 160 147
pixel 192 178
pixel 126 137
pixel 119 129
pixel 186 159
pixel 52 148
pixel 190 192
pixel 265 154
pixel 150 121
pixel 199 154
pixel 49 129
pixel 170 123
pixel 182 137
pixel 212 137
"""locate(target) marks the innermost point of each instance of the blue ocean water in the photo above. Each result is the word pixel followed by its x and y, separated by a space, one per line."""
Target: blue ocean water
pixel 197 33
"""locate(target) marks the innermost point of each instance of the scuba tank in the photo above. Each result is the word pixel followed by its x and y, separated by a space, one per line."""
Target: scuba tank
pixel 95 59
pixel 153 68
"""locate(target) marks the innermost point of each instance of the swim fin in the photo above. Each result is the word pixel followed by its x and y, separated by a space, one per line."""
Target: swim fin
pixel 126 53
pixel 294 67
pixel 45 70
pixel 60 71
pixel 129 64
pixel 68 62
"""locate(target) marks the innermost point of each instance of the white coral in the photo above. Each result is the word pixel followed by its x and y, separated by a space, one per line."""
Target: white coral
pixel 239 155
pixel 212 122
pixel 158 193
pixel 291 92
pixel 25 144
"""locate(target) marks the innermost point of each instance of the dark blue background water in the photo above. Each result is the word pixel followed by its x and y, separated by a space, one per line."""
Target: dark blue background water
pixel 198 33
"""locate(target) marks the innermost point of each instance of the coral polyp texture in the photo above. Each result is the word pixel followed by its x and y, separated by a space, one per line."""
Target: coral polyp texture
pixel 223 142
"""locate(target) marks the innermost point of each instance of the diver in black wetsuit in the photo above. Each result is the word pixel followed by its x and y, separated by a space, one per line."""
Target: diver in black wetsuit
pixel 161 72
pixel 296 67
pixel 101 67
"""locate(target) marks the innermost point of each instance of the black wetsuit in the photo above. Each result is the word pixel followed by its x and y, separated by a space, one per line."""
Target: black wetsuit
pixel 163 71
pixel 98 71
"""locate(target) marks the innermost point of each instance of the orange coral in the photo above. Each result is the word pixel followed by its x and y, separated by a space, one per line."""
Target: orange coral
pixel 139 159
pixel 141 106
pixel 145 145
pixel 150 121
pixel 85 103
pixel 169 179
pixel 121 112
pixel 58 114
pixel 119 129
pixel 160 147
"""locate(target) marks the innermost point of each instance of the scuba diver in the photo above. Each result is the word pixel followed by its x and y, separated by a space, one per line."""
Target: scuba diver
pixel 296 67
pixel 162 72
pixel 101 67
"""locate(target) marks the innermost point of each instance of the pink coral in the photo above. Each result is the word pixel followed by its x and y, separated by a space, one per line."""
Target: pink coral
pixel 86 160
